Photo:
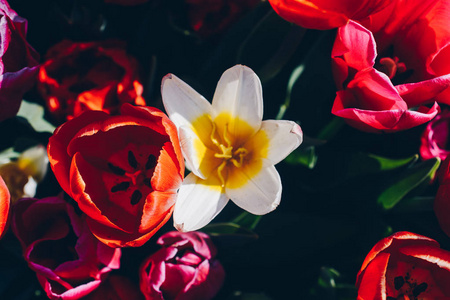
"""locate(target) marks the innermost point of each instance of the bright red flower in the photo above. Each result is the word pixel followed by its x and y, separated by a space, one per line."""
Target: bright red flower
pixel 326 14
pixel 76 77
pixel 68 260
pixel 418 35
pixel 405 266
pixel 367 97
pixel 209 17
pixel 184 268
pixel 18 61
pixel 4 206
pixel 435 137
pixel 124 171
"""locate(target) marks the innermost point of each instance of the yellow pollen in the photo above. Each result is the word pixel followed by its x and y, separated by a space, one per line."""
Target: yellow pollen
pixel 226 153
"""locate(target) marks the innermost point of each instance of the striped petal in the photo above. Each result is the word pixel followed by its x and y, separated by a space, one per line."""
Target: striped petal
pixel 260 194
pixel 198 202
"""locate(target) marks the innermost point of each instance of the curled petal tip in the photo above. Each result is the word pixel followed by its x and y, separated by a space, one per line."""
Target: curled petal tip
pixel 296 129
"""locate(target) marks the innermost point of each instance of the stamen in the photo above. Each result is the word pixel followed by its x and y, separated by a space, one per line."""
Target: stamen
pixel 219 172
pixel 213 132
pixel 136 197
pixel 132 160
pixel 116 170
pixel 123 186
pixel 225 135
pixel 226 152
pixel 242 152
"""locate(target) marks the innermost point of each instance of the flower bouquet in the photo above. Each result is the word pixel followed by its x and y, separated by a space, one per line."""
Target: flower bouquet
pixel 235 150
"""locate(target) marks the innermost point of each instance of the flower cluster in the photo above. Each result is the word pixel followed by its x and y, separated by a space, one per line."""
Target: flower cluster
pixel 147 149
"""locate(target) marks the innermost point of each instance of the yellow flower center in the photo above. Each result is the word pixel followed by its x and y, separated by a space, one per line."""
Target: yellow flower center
pixel 227 147
pixel 226 152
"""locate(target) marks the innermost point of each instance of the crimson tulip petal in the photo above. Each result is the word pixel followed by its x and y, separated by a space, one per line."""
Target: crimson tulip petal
pixel 178 271
pixel 58 245
pixel 110 78
pixel 57 146
pixel 325 14
pixel 425 91
pixel 153 210
pixel 4 206
pixel 18 61
pixel 356 46
pixel 405 265
pixel 122 170
pixel 386 121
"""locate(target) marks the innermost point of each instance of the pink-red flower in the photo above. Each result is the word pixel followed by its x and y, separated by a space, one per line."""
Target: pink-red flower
pixel 124 171
pixel 326 14
pixel 184 268
pixel 209 17
pixel 405 266
pixel 368 97
pixel 4 207
pixel 435 137
pixel 77 77
pixel 18 61
pixel 57 244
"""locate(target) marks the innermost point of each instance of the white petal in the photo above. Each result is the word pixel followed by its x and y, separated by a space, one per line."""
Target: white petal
pixel 197 204
pixel 260 194
pixel 284 137
pixel 181 102
pixel 34 162
pixel 29 189
pixel 239 93
pixel 199 158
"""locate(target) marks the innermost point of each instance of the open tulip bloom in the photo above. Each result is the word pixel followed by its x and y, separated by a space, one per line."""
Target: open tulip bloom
pixel 230 151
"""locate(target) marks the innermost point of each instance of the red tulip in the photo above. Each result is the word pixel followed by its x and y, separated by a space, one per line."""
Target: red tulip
pixel 184 268
pixel 68 260
pixel 76 77
pixel 18 61
pixel 367 97
pixel 435 137
pixel 4 207
pixel 326 14
pixel 124 171
pixel 405 266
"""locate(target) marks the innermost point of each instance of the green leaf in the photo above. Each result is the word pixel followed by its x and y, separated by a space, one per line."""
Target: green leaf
pixel 228 228
pixel 409 180
pixel 295 75
pixel 386 164
pixel 247 220
pixel 34 114
pixel 350 166
pixel 305 156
